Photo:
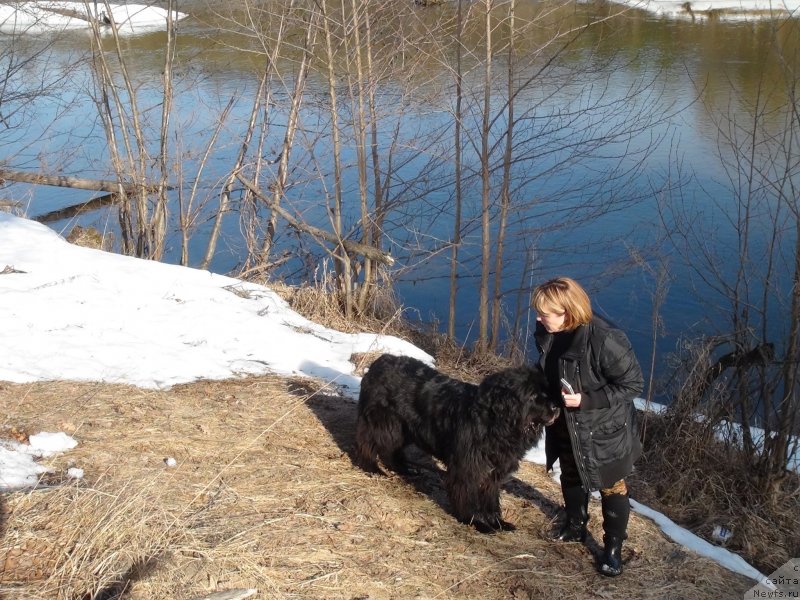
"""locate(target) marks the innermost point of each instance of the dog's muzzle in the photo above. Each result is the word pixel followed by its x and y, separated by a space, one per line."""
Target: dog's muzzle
pixel 556 413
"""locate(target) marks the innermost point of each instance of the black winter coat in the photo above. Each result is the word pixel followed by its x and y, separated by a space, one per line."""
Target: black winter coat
pixel 601 365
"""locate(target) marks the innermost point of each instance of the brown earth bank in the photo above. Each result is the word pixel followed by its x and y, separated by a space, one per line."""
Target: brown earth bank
pixel 264 495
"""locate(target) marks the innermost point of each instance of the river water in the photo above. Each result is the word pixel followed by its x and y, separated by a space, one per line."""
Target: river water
pixel 628 119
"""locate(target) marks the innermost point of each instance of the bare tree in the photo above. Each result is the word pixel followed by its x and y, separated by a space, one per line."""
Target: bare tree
pixel 352 162
pixel 516 149
pixel 505 191
pixel 658 272
pixel 342 262
pixel 457 124
pixel 187 214
pixel 747 372
pixel 279 184
pixel 486 232
pixel 143 215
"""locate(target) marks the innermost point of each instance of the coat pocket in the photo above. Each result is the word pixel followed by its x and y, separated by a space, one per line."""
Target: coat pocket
pixel 610 444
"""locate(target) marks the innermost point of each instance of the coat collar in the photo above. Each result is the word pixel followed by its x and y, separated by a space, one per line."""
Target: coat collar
pixel 578 346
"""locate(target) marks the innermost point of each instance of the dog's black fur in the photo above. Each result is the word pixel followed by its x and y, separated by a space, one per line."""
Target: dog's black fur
pixel 480 432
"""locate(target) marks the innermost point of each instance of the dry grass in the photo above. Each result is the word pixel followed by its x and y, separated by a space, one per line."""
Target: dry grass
pixel 387 317
pixel 318 303
pixel 700 482
pixel 265 496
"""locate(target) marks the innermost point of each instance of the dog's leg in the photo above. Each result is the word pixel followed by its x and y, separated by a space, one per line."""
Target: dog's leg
pixel 491 495
pixel 492 508
pixel 379 435
pixel 476 501
pixel 487 506
pixel 399 462
pixel 466 501
pixel 365 453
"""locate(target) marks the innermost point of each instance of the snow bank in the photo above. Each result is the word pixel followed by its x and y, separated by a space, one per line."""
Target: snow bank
pixel 61 15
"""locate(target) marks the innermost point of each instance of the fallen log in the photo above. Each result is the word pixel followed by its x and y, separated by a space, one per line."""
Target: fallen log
pixel 9 204
pixel 76 209
pixel 102 18
pixel 79 183
pixel 66 12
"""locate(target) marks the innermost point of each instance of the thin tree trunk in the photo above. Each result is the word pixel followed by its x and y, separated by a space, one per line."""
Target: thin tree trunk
pixel 225 194
pixel 139 159
pixel 142 233
pixel 79 183
pixel 185 216
pixel 108 102
pixel 159 225
pixel 342 263
pixel 279 185
pixel 520 347
pixel 505 193
pixel 351 246
pixel 374 237
pixel 456 244
pixel 360 131
pixel 483 295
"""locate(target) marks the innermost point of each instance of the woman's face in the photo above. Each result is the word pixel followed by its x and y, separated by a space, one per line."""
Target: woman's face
pixel 552 317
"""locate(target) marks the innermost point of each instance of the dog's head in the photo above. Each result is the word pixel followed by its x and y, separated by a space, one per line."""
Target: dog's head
pixel 543 408
pixel 520 396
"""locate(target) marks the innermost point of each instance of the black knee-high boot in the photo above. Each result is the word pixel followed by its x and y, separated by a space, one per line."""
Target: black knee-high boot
pixel 616 512
pixel 576 505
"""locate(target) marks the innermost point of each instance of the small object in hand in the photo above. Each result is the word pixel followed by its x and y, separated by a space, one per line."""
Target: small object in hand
pixel 566 387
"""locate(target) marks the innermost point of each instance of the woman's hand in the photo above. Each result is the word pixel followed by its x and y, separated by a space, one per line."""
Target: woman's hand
pixel 572 400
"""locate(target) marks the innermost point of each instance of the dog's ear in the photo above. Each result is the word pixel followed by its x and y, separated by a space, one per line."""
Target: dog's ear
pixel 538 374
pixel 534 380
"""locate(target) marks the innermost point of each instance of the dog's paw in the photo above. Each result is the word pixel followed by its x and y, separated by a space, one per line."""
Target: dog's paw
pixel 492 526
pixel 488 526
pixel 368 466
pixel 404 469
pixel 506 526
pixel 484 527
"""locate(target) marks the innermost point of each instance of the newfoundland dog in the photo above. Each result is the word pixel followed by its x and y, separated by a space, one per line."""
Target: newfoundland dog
pixel 480 432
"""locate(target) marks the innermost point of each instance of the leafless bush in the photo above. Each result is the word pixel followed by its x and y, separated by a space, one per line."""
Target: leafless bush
pixel 700 482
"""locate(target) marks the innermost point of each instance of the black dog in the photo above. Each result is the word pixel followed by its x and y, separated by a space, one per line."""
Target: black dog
pixel 480 432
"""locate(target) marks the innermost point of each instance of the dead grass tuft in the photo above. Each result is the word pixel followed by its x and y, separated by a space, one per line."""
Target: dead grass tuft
pixel 320 304
pixel 82 541
pixel 362 361
pixel 700 482
pixel 386 316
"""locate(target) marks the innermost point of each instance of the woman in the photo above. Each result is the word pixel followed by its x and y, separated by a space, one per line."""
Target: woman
pixel 595 438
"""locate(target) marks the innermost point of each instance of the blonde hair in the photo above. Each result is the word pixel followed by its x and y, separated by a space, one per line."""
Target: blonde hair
pixel 565 294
